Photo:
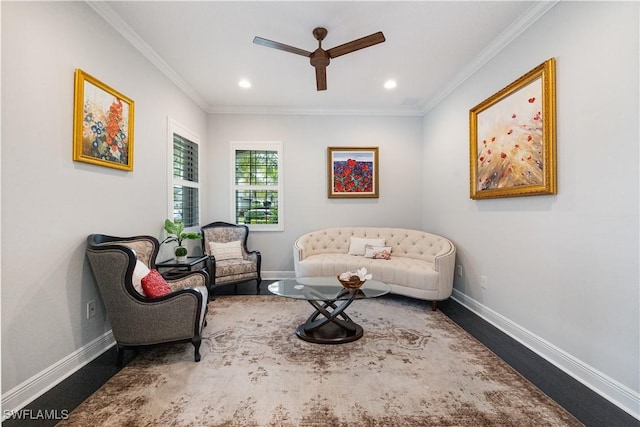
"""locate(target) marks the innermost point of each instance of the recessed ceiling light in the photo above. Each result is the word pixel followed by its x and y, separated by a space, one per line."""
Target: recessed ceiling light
pixel 390 84
pixel 245 84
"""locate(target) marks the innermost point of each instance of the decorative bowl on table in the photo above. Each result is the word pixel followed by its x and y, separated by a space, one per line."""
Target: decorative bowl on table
pixel 353 283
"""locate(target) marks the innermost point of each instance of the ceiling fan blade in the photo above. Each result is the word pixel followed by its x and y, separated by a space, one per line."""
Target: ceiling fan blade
pixel 281 46
pixel 321 78
pixel 358 44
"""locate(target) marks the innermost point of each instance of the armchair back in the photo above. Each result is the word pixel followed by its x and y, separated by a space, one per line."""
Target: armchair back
pixel 224 232
pixel 235 266
pixel 137 320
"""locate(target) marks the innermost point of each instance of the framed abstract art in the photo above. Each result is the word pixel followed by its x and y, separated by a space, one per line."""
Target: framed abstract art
pixel 352 172
pixel 513 138
pixel 102 124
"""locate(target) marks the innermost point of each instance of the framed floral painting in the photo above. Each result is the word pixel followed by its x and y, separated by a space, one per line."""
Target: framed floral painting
pixel 352 172
pixel 102 124
pixel 513 138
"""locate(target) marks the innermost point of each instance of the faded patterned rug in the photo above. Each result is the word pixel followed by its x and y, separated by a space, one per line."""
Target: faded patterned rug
pixel 413 367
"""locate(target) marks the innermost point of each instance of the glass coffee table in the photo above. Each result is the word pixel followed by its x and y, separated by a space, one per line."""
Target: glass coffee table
pixel 328 324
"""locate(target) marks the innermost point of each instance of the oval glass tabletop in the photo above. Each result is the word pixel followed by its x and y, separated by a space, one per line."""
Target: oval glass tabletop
pixel 326 288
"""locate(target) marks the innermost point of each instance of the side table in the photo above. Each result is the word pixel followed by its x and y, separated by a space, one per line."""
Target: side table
pixel 176 267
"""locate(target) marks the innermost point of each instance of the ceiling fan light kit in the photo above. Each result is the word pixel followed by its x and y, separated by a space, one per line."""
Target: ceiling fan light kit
pixel 321 58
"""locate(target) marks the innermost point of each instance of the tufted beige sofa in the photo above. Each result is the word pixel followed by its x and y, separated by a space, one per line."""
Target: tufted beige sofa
pixel 421 264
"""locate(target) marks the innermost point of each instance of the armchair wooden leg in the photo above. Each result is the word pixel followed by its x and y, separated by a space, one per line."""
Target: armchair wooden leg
pixel 434 305
pixel 196 344
pixel 259 281
pixel 120 355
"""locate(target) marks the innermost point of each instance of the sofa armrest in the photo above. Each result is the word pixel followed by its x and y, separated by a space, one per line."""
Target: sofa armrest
pixel 445 264
pixel 298 255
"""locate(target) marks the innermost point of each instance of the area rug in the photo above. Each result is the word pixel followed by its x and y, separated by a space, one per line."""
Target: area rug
pixel 413 367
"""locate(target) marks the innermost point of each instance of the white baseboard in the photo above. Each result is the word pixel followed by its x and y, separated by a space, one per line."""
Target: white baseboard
pixel 618 394
pixel 25 393
pixel 28 391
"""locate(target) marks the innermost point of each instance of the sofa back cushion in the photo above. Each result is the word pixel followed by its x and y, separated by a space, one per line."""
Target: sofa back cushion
pixel 403 242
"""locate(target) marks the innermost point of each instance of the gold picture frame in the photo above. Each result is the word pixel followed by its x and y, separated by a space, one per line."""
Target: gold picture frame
pixel 352 172
pixel 102 124
pixel 513 138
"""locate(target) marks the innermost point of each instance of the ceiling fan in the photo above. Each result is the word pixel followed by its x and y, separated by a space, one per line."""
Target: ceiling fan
pixel 320 58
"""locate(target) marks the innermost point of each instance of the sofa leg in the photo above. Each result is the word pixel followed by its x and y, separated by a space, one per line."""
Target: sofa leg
pixel 434 305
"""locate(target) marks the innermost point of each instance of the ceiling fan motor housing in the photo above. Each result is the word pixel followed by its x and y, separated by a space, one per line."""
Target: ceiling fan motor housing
pixel 320 58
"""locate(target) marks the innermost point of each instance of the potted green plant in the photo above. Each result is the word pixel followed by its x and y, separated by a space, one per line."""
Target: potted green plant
pixel 176 233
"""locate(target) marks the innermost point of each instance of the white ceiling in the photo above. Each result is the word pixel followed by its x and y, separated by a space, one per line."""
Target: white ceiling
pixel 206 47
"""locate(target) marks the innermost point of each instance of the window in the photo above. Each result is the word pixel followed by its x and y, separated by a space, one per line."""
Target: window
pixel 257 185
pixel 184 181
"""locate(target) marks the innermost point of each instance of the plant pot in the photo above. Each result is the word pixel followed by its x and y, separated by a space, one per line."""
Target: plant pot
pixel 181 254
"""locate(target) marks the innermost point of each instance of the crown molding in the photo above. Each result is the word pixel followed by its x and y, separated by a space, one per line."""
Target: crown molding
pixel 313 111
pixel 113 19
pixel 531 15
pixel 537 10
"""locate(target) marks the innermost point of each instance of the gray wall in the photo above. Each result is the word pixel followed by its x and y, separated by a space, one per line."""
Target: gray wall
pixel 562 270
pixel 305 141
pixel 50 203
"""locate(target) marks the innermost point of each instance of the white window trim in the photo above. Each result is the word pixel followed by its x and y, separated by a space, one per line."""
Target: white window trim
pixel 173 127
pixel 259 145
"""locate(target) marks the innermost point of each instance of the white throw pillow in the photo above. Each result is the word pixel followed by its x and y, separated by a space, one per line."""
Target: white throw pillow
pixel 377 252
pixel 139 272
pixel 222 251
pixel 357 244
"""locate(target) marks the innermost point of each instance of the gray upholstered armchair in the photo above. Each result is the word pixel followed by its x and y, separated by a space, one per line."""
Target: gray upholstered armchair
pixel 137 320
pixel 230 262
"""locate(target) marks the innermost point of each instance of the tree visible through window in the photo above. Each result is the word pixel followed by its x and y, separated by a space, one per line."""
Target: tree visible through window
pixel 257 196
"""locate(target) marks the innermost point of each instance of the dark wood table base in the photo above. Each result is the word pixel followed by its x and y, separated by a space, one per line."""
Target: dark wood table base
pixel 333 326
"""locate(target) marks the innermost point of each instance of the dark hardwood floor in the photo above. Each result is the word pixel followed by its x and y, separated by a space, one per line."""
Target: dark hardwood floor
pixel 584 404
